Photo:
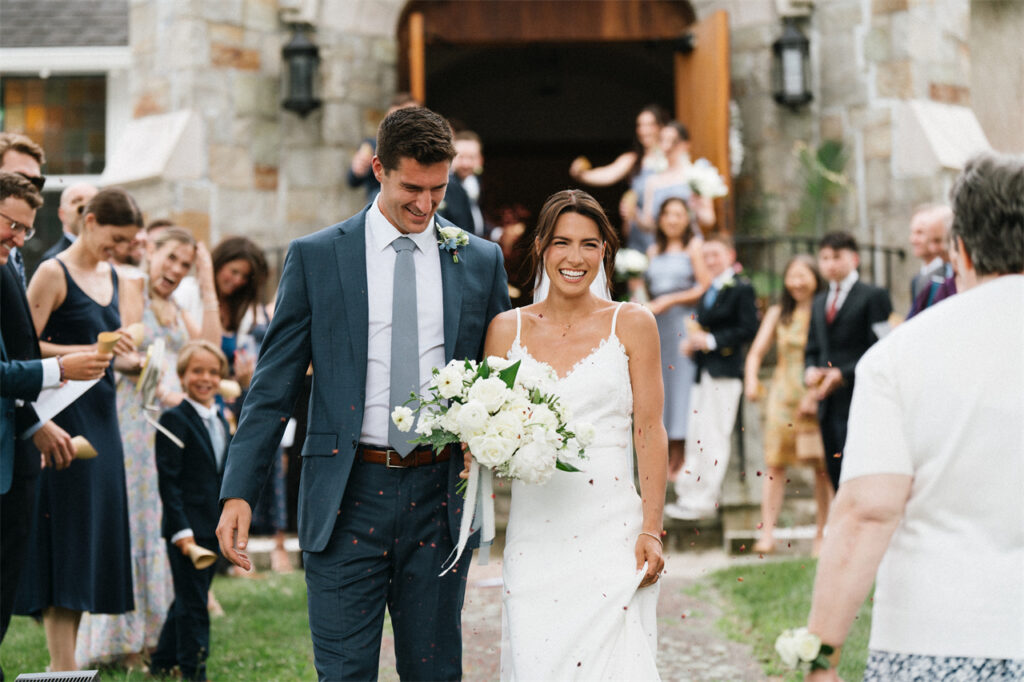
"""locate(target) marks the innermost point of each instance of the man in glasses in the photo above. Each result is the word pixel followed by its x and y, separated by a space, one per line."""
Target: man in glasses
pixel 19 154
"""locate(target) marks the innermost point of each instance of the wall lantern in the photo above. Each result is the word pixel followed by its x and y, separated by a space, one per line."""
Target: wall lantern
pixel 301 58
pixel 792 74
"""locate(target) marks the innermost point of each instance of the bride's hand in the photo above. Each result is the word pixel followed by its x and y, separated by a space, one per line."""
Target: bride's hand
pixel 649 550
pixel 467 458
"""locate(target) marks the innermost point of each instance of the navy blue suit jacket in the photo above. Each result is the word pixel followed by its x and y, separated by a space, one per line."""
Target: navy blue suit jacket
pixel 322 316
pixel 732 320
pixel 58 246
pixel 19 379
pixel 189 480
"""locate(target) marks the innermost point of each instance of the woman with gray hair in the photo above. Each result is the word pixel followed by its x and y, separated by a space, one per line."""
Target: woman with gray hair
pixel 934 468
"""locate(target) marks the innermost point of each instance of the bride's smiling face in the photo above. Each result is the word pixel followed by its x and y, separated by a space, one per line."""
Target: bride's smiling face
pixel 573 257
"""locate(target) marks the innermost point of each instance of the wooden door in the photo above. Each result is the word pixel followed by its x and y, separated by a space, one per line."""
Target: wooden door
pixel 702 101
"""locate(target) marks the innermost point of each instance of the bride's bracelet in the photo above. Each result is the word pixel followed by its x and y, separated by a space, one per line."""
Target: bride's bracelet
pixel 652 535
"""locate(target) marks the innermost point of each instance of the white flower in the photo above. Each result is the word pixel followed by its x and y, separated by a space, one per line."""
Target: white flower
pixel 584 433
pixel 491 451
pixel 453 232
pixel 785 646
pixel 428 421
pixel 449 421
pixel 630 263
pixel 705 180
pixel 491 392
pixel 543 417
pixel 796 646
pixel 498 363
pixel 449 381
pixel 808 646
pixel 533 463
pixel 403 418
pixel 472 419
pixel 508 423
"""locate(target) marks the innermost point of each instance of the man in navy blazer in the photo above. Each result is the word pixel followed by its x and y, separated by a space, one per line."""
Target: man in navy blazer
pixel 375 527
pixel 22 376
pixel 845 322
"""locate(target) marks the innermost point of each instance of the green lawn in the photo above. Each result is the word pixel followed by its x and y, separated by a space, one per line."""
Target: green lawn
pixel 766 598
pixel 263 636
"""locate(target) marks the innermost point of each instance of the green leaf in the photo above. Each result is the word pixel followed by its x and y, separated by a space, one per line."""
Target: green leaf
pixel 508 375
pixel 564 466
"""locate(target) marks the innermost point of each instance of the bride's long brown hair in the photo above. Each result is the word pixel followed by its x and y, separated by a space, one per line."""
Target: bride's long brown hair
pixel 573 201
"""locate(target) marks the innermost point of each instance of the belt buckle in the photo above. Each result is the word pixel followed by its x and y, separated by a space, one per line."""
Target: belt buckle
pixel 398 458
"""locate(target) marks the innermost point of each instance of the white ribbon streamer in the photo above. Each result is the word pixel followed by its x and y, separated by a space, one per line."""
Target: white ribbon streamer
pixel 479 491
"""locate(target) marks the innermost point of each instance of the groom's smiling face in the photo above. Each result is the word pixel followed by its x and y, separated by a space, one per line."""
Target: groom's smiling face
pixel 410 194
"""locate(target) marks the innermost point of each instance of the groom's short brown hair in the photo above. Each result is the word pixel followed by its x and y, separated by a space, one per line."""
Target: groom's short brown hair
pixel 416 133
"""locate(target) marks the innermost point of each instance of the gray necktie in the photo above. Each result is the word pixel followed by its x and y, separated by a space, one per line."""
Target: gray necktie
pixel 405 344
pixel 19 265
pixel 216 431
pixel 710 296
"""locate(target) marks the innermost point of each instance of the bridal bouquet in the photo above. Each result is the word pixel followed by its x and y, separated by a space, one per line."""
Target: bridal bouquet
pixel 510 419
pixel 512 422
pixel 705 180
pixel 630 263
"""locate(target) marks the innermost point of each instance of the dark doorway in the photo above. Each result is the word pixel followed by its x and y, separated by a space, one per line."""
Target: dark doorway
pixel 537 107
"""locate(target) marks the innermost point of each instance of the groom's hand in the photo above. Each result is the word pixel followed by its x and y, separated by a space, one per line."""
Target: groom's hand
pixel 233 531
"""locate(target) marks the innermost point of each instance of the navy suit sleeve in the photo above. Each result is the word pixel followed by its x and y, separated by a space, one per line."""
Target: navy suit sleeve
pixel 813 349
pixel 877 309
pixel 21 379
pixel 499 301
pixel 284 356
pixel 169 466
pixel 742 326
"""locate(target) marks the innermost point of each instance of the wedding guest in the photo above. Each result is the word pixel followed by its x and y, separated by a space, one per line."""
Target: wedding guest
pixel 461 203
pixel 676 279
pixel 638 164
pixel 71 199
pixel 19 154
pixel 929 234
pixel 131 636
pixel 845 322
pixel 22 376
pixel 726 322
pixel 360 172
pixel 82 561
pixel 674 181
pixel 190 478
pixel 929 507
pixel 791 419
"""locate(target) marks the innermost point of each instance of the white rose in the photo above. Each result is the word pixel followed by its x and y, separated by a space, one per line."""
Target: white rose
pixel 428 420
pixel 507 423
pixel 491 392
pixel 498 363
pixel 533 463
pixel 808 645
pixel 449 382
pixel 785 646
pixel 584 433
pixel 472 419
pixel 449 421
pixel 403 418
pixel 542 416
pixel 490 451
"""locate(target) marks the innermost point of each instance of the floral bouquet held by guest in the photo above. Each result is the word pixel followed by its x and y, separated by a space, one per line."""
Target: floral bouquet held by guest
pixel 511 420
pixel 630 267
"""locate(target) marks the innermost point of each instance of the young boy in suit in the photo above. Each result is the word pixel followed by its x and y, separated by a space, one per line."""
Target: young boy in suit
pixel 727 315
pixel 190 479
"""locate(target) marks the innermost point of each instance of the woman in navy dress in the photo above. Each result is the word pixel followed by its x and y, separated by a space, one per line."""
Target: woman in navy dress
pixel 676 279
pixel 80 554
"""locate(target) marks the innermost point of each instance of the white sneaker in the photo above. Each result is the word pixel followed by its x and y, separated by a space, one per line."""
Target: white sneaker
pixel 683 513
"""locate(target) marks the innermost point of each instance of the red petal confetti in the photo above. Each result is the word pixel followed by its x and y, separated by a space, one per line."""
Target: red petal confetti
pixel 671 367
pixel 739 580
pixel 837 455
pixel 683 616
pixel 591 481
pixel 758 473
pixel 743 548
pixel 760 526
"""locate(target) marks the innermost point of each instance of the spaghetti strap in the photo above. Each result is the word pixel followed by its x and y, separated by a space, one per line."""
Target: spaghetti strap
pixel 615 317
pixel 519 325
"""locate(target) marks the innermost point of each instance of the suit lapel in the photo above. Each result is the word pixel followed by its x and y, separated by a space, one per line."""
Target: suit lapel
pixel 350 252
pixel 204 435
pixel 452 280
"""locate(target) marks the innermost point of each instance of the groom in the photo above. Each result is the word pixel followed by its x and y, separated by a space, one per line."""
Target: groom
pixel 375 303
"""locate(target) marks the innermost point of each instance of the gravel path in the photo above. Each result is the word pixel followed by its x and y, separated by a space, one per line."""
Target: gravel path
pixel 689 648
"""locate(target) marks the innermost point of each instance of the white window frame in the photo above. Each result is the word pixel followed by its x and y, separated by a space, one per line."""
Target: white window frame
pixel 113 62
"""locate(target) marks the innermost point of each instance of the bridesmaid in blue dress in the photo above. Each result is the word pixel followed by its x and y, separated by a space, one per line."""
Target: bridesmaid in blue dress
pixel 80 553
pixel 676 279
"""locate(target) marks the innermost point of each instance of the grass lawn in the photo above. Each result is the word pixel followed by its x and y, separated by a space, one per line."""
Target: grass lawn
pixel 263 636
pixel 765 598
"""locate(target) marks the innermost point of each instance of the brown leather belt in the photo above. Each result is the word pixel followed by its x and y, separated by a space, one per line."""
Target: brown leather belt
pixel 421 456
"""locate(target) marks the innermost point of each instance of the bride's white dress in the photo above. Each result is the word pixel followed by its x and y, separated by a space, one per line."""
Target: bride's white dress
pixel 572 607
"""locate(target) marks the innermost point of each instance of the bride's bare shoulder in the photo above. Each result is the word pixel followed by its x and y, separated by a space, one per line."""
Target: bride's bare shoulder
pixel 636 323
pixel 501 332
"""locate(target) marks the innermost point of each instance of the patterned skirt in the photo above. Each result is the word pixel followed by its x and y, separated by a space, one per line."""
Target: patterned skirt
pixel 884 666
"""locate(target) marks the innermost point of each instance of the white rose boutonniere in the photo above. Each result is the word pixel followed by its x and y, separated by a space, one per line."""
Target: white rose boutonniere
pixel 799 646
pixel 450 238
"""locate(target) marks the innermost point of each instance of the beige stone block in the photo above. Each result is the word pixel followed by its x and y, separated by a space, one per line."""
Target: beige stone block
pixel 264 140
pixel 315 168
pixel 188 45
pixel 231 57
pixel 895 79
pixel 195 222
pixel 142 26
pixel 379 17
pixel 385 51
pixel 842 82
pixel 221 11
pixel 270 54
pixel 265 177
pixel 837 19
pixel 868 116
pixel 878 41
pixel 753 37
pixel 230 166
pixel 240 211
pixel 832 127
pixel 256 94
pixel 877 181
pixel 261 15
pixel 889 6
pixel 155 197
pixel 194 196
pixel 227 34
pixel 340 15
pixel 745 13
pixel 342 124
pixel 878 142
pixel 950 94
pixel 151 101
pixel 297 132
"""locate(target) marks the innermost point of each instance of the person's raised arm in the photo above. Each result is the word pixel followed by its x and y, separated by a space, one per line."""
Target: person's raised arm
pixel 758 349
pixel 639 331
pixel 602 176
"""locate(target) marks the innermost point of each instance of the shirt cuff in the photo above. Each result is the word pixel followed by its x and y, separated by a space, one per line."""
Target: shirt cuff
pixel 51 373
pixel 710 341
pixel 187 533
pixel 31 431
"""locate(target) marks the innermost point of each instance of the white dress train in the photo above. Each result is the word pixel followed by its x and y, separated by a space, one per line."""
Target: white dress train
pixel 572 608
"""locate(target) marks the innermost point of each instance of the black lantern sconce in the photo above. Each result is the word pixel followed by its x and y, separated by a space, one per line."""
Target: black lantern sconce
pixel 792 74
pixel 301 58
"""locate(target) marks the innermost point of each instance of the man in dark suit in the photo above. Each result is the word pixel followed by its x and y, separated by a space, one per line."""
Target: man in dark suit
pixel 845 321
pixel 71 199
pixel 727 319
pixel 929 237
pixel 22 376
pixel 190 477
pixel 461 203
pixel 375 303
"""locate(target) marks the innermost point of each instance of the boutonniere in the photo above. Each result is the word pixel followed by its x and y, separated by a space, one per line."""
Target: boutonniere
pixel 450 239
pixel 730 283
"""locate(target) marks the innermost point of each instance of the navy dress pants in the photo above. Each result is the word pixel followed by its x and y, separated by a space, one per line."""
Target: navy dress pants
pixel 16 507
pixel 833 432
pixel 389 542
pixel 185 637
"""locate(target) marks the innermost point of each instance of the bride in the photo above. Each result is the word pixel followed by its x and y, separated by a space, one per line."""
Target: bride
pixel 583 552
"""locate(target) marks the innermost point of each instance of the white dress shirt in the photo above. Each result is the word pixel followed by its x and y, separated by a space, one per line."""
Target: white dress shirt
pixel 380 273
pixel 844 290
pixel 472 186
pixel 204 413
